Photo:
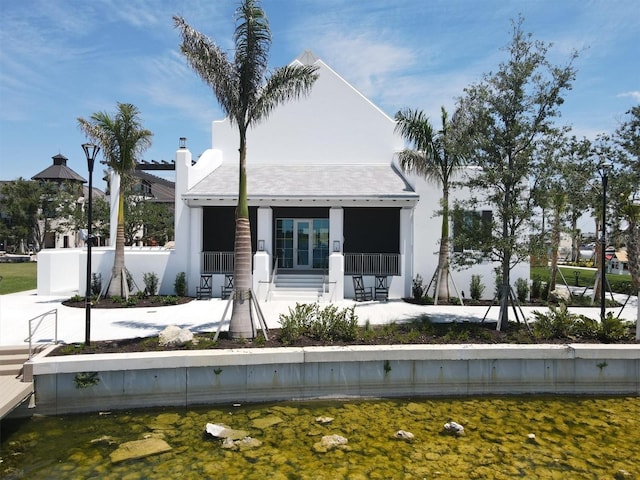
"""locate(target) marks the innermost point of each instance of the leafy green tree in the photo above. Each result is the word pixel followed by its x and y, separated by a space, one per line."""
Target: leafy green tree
pixel 31 209
pixel 435 158
pixel 247 94
pixel 122 139
pixel 506 114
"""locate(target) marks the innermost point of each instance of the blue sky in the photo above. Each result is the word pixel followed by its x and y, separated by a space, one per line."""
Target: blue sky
pixel 61 59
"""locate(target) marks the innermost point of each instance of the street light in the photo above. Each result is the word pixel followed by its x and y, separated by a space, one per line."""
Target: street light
pixel 90 151
pixel 604 169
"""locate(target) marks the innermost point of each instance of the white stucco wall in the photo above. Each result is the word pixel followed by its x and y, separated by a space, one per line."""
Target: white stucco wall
pixel 334 124
pixel 428 224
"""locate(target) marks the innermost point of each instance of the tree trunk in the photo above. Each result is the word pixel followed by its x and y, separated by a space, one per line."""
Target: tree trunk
pixel 633 255
pixel 443 293
pixel 241 325
pixel 575 239
pixel 555 242
pixel 503 316
pixel 118 284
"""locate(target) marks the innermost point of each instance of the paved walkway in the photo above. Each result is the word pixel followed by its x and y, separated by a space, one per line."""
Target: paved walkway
pixel 204 315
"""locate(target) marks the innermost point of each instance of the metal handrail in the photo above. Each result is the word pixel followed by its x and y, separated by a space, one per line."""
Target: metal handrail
pixel 32 331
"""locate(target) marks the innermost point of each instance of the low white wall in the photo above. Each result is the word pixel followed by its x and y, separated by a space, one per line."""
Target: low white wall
pixel 63 271
pixel 183 378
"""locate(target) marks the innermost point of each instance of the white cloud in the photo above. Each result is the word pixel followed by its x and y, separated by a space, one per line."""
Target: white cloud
pixel 633 94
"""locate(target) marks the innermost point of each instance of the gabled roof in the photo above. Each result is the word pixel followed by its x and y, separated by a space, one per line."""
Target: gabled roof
pixel 305 184
pixel 162 190
pixel 58 172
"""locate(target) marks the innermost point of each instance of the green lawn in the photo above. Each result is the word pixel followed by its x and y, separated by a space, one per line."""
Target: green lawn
pixel 17 277
pixel 586 278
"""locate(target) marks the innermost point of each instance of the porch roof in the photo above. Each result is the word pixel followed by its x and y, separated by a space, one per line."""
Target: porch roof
pixel 354 184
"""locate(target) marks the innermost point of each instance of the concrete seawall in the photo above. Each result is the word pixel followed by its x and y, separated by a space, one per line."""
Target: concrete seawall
pixel 85 383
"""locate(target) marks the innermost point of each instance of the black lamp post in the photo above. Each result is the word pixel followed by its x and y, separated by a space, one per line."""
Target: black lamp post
pixel 604 173
pixel 90 151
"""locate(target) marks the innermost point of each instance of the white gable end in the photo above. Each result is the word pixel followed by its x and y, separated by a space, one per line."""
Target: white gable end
pixel 334 124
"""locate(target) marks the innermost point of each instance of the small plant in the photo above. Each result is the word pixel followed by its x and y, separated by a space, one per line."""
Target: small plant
pixel 96 283
pixel 180 285
pixel 76 298
pixel 86 379
pixel 476 288
pixel 417 288
pixel 612 329
pixel 150 283
pixel 169 300
pixel 522 289
pixel 558 323
pixel 387 367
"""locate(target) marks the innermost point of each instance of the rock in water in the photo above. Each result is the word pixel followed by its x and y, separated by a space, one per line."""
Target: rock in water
pixel 222 431
pixel 454 428
pixel 404 435
pixel 174 336
pixel 139 449
pixel 324 420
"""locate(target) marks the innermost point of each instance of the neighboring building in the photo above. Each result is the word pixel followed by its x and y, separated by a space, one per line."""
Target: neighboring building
pixel 61 174
pixel 326 200
pixel 618 261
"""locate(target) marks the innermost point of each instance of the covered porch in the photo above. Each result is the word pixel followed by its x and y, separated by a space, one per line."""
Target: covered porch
pixel 309 239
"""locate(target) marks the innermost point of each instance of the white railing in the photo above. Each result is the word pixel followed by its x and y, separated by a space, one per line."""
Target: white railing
pixel 216 262
pixel 372 263
pixel 35 324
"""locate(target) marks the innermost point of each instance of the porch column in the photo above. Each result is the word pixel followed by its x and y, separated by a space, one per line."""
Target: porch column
pixel 262 258
pixel 187 226
pixel 406 253
pixel 336 258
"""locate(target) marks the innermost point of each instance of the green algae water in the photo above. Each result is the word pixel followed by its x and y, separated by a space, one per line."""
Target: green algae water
pixel 504 438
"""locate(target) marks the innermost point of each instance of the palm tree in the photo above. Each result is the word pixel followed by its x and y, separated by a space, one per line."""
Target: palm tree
pixel 122 140
pixel 435 159
pixel 247 95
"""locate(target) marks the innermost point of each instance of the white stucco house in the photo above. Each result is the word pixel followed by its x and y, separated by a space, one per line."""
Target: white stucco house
pixel 327 201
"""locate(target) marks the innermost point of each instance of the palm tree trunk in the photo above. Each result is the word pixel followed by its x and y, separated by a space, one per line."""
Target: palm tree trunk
pixel 443 293
pixel 118 283
pixel 241 325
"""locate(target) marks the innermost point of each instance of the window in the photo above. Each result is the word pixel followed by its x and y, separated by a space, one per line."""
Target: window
pixel 471 229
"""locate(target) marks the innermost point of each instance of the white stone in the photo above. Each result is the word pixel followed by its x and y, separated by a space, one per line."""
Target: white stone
pixel 454 428
pixel 330 441
pixel 174 335
pixel 404 435
pixel 324 420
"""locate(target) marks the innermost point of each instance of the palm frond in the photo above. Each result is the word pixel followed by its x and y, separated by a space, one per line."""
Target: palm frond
pixel 211 64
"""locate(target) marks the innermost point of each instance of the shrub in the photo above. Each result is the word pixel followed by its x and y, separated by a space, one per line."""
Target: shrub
pixel 522 289
pixel 611 329
pixel 417 288
pixel 169 300
pixel 180 285
pixel 558 323
pixel 476 288
pixel 96 283
pixel 150 283
pixel 327 324
pixel 536 286
pixel 498 290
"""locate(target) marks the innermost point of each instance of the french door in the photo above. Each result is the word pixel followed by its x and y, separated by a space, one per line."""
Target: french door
pixel 302 243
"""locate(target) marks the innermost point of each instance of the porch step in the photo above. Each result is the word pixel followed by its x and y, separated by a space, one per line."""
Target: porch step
pixel 305 287
pixel 12 359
